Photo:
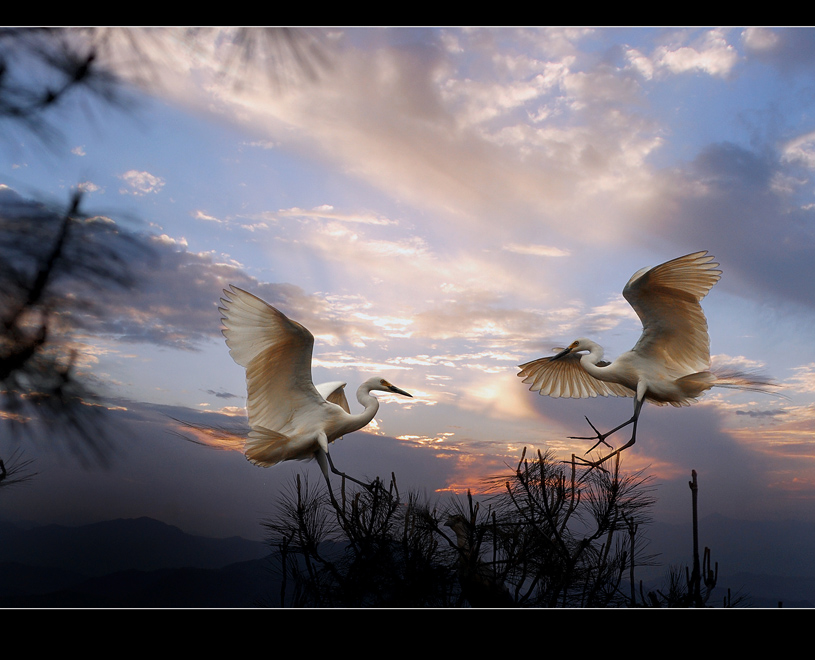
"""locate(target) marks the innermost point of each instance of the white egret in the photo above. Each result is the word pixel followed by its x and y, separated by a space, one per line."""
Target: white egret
pixel 670 364
pixel 289 418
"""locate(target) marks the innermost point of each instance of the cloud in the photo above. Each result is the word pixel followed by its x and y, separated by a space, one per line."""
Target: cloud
pixel 141 183
pixel 173 302
pixel 176 301
pixel 604 85
pixel 537 250
pixel 804 378
pixel 201 215
pixel 326 211
pixel 801 150
pixel 762 413
pixel 88 187
pixel 481 137
pixel 711 53
pixel 223 395
pixel 726 200
pixel 264 144
pixel 788 50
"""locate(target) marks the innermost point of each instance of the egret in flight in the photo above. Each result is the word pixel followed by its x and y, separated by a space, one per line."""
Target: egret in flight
pixel 670 364
pixel 289 418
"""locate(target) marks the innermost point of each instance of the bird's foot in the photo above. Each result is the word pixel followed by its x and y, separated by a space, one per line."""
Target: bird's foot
pixel 599 462
pixel 600 437
pixel 585 462
pixel 371 487
pixel 367 486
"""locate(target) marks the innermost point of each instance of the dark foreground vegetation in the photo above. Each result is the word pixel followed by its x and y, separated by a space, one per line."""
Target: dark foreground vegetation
pixel 550 534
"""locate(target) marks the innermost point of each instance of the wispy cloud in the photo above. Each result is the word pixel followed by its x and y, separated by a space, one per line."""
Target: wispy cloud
pixel 328 212
pixel 206 217
pixel 537 250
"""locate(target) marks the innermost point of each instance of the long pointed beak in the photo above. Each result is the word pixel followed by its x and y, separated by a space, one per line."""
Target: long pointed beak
pixel 396 390
pixel 565 351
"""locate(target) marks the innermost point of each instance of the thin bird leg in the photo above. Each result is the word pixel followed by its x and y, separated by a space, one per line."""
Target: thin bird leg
pixel 634 420
pixel 342 474
pixel 321 460
pixel 601 437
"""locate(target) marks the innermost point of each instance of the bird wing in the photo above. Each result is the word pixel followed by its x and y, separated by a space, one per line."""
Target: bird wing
pixel 334 392
pixel 666 298
pixel 565 377
pixel 276 353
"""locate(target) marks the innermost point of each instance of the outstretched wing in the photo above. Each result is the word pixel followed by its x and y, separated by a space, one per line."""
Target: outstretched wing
pixel 666 298
pixel 276 353
pixel 565 377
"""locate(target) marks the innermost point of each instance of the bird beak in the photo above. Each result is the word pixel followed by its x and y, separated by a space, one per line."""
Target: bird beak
pixel 396 390
pixel 565 351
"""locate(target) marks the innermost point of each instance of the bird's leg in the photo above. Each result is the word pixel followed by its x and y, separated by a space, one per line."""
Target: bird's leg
pixel 601 437
pixel 598 463
pixel 634 420
pixel 342 474
pixel 324 459
pixel 323 463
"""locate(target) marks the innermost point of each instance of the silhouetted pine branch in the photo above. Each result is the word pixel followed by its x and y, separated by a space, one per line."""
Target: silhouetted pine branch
pixel 53 267
pixel 551 536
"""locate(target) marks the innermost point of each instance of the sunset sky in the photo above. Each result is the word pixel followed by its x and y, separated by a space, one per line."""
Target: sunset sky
pixel 439 206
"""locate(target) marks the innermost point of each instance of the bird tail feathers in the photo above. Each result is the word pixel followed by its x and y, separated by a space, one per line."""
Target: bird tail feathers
pixel 694 385
pixel 214 437
pixel 734 379
pixel 265 447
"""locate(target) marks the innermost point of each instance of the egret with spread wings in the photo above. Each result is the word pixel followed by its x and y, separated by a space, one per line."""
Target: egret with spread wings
pixel 289 418
pixel 670 364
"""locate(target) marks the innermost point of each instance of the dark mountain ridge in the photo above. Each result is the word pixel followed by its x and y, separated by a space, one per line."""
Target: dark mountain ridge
pixel 146 563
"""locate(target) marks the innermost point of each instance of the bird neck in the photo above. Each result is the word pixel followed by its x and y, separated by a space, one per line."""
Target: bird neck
pixel 589 360
pixel 369 401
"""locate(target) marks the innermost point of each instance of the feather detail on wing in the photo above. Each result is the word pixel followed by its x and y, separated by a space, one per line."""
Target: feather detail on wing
pixel 334 392
pixel 276 353
pixel 666 298
pixel 565 377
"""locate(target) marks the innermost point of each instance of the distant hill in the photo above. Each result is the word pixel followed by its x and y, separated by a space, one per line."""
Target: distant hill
pixel 146 563
pixel 104 547
pixel 130 563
